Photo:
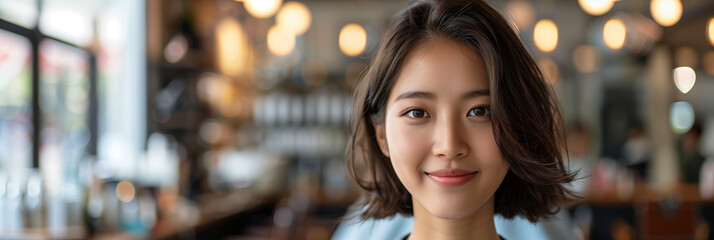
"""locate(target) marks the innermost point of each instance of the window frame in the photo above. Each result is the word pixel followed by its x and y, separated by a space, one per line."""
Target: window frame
pixel 35 36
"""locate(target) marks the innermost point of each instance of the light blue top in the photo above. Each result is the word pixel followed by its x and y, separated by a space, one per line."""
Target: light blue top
pixel 395 228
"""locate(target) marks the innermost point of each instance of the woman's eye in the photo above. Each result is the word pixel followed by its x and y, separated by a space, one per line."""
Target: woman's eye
pixel 479 111
pixel 417 113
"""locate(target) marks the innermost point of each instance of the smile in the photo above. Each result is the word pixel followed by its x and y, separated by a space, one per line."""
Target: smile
pixel 451 177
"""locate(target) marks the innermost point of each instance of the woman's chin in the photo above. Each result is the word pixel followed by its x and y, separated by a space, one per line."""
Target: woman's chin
pixel 452 213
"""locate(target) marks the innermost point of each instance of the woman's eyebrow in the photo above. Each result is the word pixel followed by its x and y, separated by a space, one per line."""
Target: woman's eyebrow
pixel 429 95
pixel 415 94
pixel 476 93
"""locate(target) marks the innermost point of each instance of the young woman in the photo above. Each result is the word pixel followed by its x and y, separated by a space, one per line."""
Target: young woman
pixel 453 122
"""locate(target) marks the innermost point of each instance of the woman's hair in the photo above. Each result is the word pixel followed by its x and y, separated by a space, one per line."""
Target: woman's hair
pixel 526 121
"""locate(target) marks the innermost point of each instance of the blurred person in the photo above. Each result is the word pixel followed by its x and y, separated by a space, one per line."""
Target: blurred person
pixel 690 156
pixel 637 151
pixel 579 161
pixel 454 123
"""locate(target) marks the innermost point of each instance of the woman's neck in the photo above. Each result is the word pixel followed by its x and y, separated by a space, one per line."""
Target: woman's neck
pixel 479 224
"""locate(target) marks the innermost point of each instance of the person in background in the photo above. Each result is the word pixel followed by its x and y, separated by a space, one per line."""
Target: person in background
pixel 454 123
pixel 691 157
pixel 579 156
pixel 637 151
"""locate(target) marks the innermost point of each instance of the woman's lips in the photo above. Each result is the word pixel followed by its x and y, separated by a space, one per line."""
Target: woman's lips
pixel 451 177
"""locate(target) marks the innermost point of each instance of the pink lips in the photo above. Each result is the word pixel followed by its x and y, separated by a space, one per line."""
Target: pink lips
pixel 451 177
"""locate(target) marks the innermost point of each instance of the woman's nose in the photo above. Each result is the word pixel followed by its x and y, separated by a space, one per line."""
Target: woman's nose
pixel 451 139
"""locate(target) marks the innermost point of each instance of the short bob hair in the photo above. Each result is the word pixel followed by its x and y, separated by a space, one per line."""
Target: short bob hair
pixel 526 120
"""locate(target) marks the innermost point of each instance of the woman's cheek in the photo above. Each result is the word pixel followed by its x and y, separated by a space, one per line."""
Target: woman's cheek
pixel 408 147
pixel 489 152
pixel 405 139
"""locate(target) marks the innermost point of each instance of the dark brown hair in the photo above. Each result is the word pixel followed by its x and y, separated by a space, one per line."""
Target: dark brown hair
pixel 526 120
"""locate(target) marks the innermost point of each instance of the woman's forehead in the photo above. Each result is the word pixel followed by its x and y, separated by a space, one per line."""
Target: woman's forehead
pixel 442 64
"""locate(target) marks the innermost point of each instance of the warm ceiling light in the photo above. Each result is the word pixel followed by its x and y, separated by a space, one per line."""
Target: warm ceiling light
pixel 281 41
pixel 614 33
pixel 294 16
pixel 262 8
pixel 596 7
pixel 232 47
pixel 710 30
pixel 545 35
pixel 666 12
pixel 353 39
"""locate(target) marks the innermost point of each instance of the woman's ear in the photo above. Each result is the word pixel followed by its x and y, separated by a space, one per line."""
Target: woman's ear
pixel 381 138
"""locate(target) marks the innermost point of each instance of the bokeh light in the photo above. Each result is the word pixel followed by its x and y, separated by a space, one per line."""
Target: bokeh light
pixel 681 116
pixel 614 33
pixel 262 8
pixel 545 35
pixel 176 49
pixel 596 7
pixel 212 131
pixel 710 31
pixel 125 191
pixel 232 48
pixel 281 41
pixel 684 78
pixel 666 12
pixel 294 16
pixel 353 39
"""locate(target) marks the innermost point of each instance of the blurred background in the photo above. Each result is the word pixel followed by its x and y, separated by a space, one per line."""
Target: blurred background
pixel 222 119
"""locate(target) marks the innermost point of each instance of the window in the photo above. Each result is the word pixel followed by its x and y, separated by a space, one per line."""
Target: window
pixel 15 102
pixel 64 106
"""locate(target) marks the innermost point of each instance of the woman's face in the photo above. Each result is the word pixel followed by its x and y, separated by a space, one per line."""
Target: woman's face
pixel 437 131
